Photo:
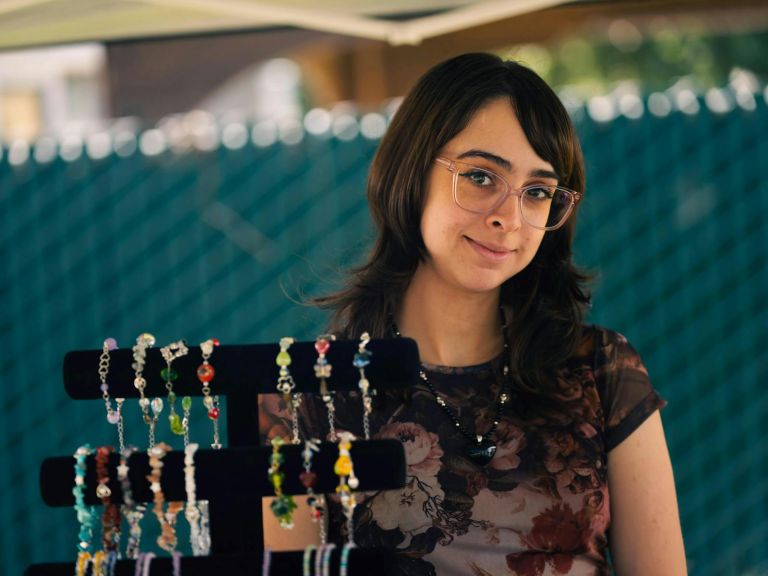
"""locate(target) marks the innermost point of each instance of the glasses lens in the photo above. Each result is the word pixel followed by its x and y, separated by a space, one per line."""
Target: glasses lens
pixel 478 190
pixel 545 206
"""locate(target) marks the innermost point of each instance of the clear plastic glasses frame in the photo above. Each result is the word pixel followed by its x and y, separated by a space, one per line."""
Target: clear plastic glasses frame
pixel 571 198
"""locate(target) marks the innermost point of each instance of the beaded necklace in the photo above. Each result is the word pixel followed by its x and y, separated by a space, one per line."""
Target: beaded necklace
pixel 481 449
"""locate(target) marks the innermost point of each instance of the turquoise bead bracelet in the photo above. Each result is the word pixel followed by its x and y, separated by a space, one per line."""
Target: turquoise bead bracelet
pixel 85 514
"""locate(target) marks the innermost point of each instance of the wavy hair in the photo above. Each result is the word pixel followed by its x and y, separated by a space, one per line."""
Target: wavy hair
pixel 545 301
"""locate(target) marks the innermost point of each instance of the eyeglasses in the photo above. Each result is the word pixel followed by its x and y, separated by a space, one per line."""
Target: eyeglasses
pixel 481 191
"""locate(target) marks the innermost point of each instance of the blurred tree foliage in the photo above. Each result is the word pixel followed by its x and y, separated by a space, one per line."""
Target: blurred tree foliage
pixel 654 60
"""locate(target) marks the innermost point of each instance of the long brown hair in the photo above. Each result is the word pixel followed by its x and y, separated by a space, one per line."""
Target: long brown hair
pixel 546 298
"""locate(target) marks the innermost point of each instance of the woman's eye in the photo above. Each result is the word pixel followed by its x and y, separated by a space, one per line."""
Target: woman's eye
pixel 539 192
pixel 479 177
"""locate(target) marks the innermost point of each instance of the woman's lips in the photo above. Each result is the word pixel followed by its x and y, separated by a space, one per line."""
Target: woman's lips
pixel 490 251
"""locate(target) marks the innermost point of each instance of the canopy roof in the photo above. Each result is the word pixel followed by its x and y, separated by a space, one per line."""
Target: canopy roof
pixel 27 23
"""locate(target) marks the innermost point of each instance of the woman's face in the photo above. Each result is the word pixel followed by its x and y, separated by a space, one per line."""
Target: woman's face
pixel 478 252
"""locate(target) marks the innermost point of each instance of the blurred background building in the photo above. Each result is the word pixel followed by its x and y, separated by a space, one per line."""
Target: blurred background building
pixel 194 174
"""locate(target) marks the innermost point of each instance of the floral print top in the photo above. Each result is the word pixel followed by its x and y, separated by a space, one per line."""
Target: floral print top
pixel 540 507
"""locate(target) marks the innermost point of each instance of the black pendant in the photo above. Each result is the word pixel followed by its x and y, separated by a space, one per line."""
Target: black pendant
pixel 481 452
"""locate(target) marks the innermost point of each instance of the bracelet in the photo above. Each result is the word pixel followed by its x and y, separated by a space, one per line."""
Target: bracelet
pixel 266 562
pixel 322 372
pixel 319 559
pixel 96 564
pixel 192 512
pixel 205 374
pixel 167 539
pixel 327 552
pixel 146 560
pixel 114 416
pixel 110 517
pixel 344 469
pixel 205 529
pixel 111 562
pixel 360 361
pixel 85 513
pixel 132 511
pixel 344 562
pixel 103 563
pixel 137 565
pixel 286 385
pixel 308 479
pixel 306 561
pixel 81 565
pixel 144 341
pixel 283 505
pixel 170 353
pixel 176 562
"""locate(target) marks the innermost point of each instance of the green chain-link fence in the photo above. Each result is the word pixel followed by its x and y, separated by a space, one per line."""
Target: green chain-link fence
pixel 222 244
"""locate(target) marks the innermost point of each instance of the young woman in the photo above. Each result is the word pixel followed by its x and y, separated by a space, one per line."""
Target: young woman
pixel 534 443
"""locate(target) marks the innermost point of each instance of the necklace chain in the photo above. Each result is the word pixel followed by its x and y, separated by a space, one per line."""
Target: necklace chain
pixel 500 405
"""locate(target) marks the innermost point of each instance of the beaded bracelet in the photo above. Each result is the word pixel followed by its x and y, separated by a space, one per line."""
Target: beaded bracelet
pixel 110 517
pixel 319 559
pixel 85 514
pixel 167 519
pixel 308 479
pixel 112 558
pixel 97 563
pixel 286 385
pixel 323 372
pixel 360 361
pixel 170 353
pixel 191 511
pixel 344 469
pixel 306 560
pixel 138 564
pixel 344 562
pixel 104 563
pixel 132 511
pixel 146 561
pixel 176 562
pixel 266 562
pixel 81 565
pixel 205 374
pixel 327 553
pixel 205 529
pixel 283 505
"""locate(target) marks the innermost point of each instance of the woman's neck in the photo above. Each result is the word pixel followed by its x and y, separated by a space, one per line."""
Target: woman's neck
pixel 451 328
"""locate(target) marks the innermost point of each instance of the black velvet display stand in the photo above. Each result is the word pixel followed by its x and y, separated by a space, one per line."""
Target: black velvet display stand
pixel 234 479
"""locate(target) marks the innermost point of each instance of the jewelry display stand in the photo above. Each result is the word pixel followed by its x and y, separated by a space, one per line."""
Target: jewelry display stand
pixel 234 479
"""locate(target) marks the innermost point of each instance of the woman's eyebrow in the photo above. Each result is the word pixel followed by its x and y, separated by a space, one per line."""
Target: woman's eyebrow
pixel 540 173
pixel 506 164
pixel 498 160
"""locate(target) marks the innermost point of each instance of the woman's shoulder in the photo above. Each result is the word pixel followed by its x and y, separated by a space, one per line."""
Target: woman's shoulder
pixel 598 342
pixel 601 335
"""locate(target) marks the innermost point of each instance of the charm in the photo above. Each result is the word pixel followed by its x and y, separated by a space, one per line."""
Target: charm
pixel 205 374
pixel 482 452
